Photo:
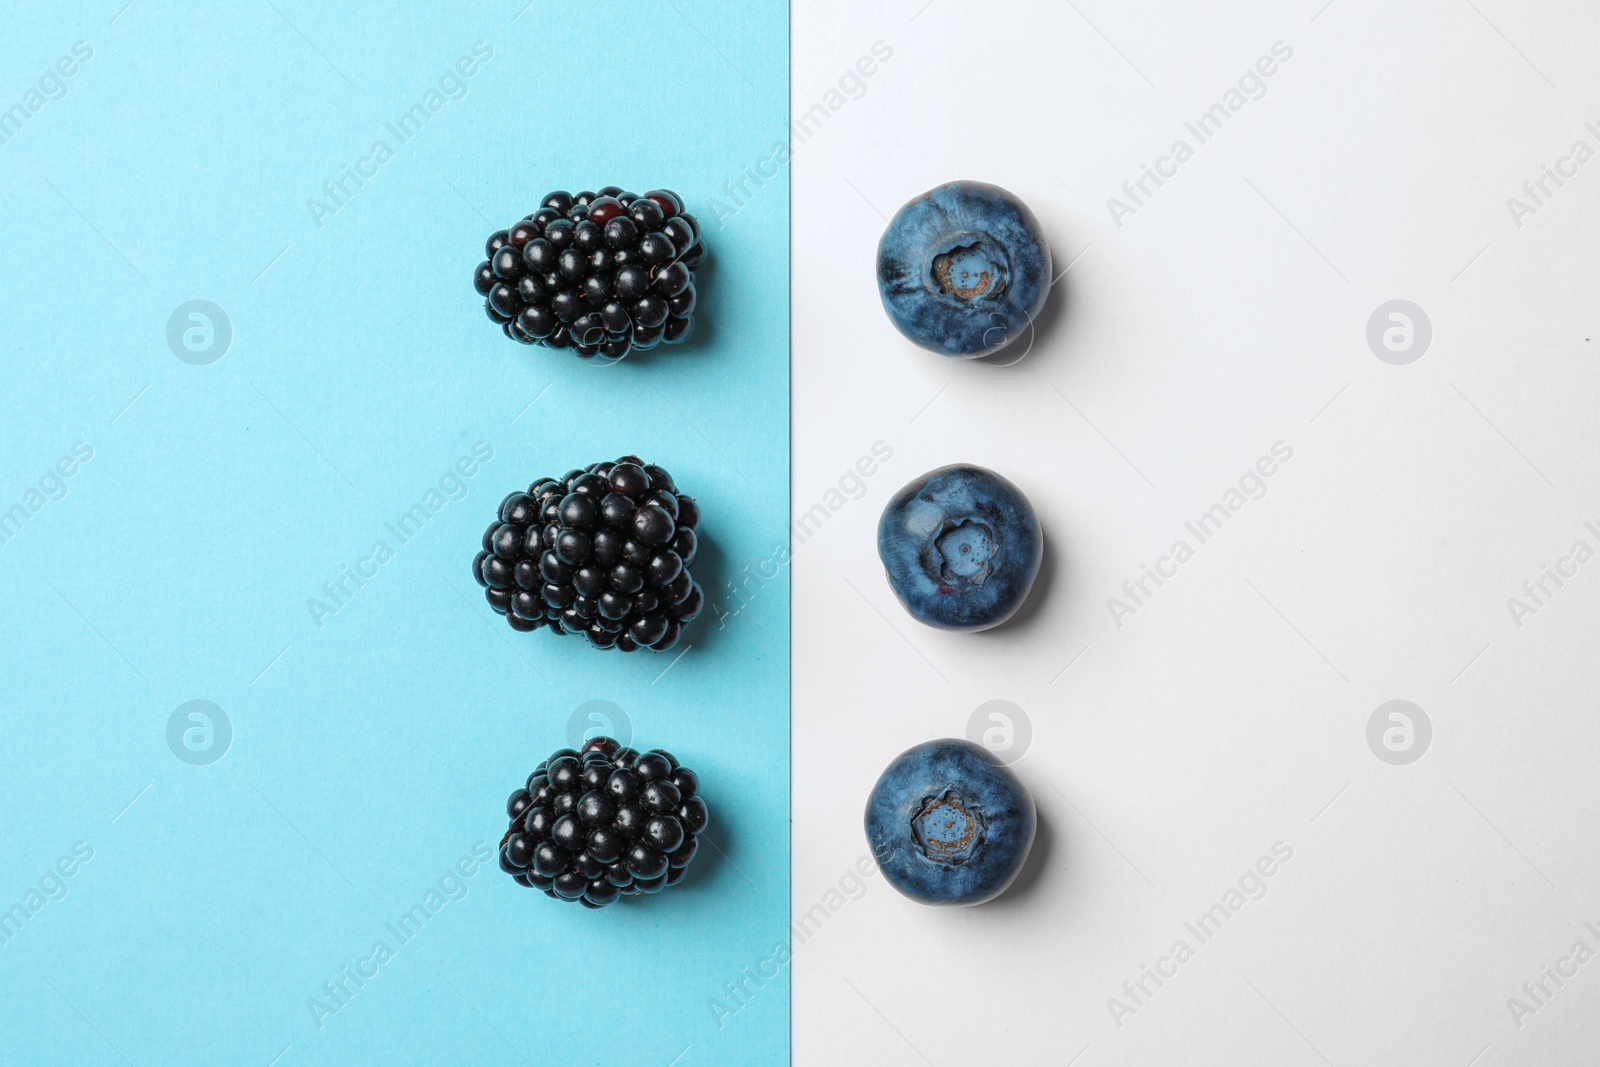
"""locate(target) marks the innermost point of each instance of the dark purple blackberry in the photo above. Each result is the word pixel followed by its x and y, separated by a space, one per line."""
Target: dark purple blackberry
pixel 604 551
pixel 602 823
pixel 600 273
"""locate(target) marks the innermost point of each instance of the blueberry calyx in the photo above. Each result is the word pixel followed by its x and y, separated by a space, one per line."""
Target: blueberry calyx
pixel 965 551
pixel 947 828
pixel 970 268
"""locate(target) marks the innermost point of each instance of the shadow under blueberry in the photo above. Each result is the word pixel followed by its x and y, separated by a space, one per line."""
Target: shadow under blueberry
pixel 1038 331
pixel 1033 868
pixel 1043 589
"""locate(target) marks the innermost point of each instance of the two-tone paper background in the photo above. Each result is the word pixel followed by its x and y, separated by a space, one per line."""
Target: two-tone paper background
pixel 1306 687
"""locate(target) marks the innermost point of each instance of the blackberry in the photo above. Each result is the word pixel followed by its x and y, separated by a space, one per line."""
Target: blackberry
pixel 604 822
pixel 600 273
pixel 603 551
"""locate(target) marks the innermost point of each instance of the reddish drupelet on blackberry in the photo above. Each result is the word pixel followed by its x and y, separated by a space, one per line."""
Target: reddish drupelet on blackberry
pixel 600 273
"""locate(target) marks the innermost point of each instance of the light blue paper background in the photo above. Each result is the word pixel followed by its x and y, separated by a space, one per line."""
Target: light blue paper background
pixel 371 753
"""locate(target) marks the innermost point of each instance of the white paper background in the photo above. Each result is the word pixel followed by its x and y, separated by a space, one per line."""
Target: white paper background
pixel 1229 713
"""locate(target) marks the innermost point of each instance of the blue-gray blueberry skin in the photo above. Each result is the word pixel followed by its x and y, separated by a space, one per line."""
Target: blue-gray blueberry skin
pixel 949 824
pixel 963 269
pixel 961 547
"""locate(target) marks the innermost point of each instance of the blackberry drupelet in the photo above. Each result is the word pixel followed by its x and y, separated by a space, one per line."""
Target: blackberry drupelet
pixel 600 273
pixel 603 551
pixel 602 823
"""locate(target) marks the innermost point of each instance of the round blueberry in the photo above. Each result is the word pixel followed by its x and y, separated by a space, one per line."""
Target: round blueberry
pixel 963 269
pixel 961 547
pixel 948 823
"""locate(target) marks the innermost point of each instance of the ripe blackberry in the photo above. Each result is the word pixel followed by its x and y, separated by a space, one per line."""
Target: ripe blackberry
pixel 604 822
pixel 604 551
pixel 600 273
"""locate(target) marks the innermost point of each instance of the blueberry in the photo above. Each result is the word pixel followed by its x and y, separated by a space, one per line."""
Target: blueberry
pixel 949 824
pixel 961 547
pixel 963 269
